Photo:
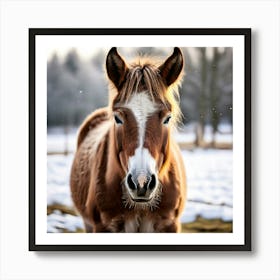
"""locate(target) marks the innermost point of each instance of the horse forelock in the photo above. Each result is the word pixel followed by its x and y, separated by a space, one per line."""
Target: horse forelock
pixel 144 76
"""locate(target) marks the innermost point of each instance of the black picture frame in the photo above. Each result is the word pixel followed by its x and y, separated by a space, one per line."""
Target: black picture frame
pixel 246 32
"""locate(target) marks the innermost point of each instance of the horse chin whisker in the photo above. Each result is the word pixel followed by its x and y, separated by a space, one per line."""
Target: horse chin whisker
pixel 151 205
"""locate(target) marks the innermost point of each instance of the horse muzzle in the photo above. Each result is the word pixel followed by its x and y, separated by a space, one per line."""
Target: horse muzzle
pixel 141 186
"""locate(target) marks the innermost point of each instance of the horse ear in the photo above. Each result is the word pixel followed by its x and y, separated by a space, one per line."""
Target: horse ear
pixel 116 67
pixel 172 67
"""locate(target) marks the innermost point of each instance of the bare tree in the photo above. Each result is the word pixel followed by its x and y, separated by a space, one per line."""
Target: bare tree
pixel 202 98
pixel 214 94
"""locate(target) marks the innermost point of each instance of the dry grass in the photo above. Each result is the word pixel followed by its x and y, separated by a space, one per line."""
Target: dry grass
pixel 206 145
pixel 203 225
pixel 62 208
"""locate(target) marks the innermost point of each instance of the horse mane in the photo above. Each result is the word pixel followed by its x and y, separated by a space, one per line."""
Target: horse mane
pixel 144 75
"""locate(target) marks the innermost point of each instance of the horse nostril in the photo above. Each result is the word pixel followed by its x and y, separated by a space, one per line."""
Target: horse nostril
pixel 130 182
pixel 152 182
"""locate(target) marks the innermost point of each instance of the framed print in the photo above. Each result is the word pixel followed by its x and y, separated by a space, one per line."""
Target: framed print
pixel 140 139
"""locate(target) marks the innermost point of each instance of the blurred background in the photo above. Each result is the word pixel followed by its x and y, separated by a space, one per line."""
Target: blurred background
pixel 77 85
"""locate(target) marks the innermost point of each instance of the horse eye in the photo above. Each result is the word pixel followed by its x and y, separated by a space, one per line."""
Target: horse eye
pixel 166 121
pixel 118 120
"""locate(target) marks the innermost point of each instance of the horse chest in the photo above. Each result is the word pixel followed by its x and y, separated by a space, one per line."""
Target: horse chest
pixel 139 224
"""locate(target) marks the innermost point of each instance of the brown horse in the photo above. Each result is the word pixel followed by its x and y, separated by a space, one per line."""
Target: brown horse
pixel 128 173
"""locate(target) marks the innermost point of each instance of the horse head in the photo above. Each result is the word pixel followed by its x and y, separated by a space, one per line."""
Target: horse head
pixel 144 108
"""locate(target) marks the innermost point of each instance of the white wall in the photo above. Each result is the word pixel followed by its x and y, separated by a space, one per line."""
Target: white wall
pixel 17 262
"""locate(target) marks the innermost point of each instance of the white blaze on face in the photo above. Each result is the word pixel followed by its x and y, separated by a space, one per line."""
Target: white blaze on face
pixel 142 162
pixel 142 107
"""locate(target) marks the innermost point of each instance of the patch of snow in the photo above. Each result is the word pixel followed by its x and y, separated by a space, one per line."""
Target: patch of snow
pixel 58 221
pixel 184 137
pixel 58 191
pixel 209 180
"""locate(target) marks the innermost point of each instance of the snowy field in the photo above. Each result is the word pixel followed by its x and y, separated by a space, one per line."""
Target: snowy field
pixel 209 174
